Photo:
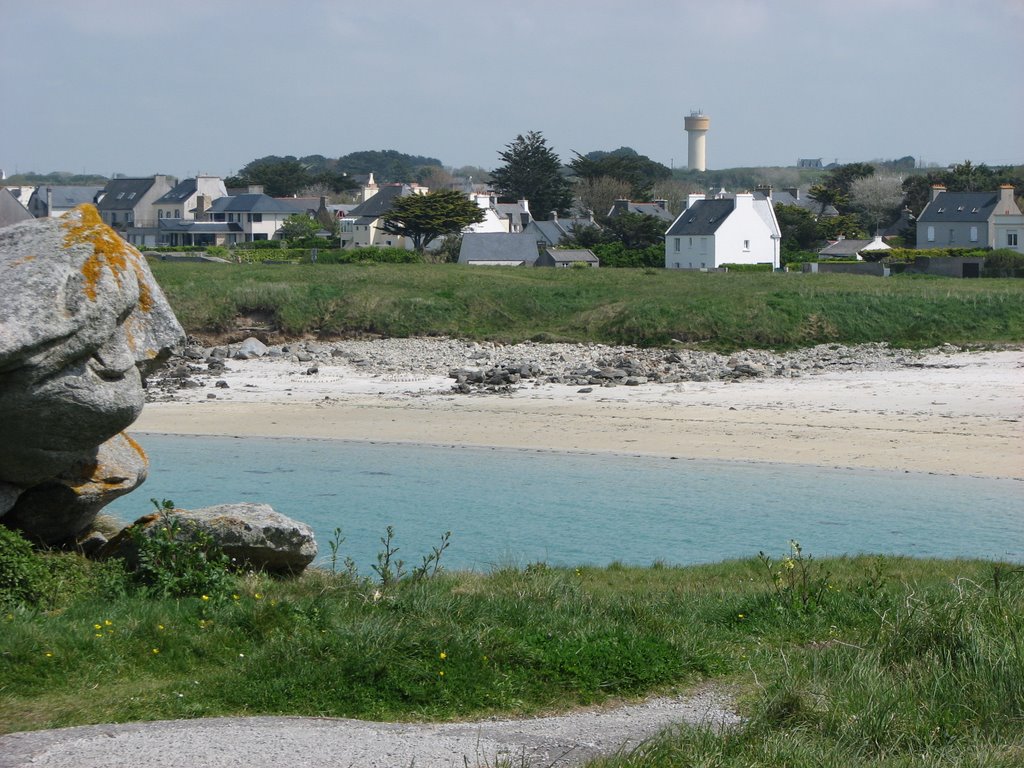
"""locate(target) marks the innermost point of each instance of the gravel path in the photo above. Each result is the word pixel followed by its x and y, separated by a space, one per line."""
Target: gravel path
pixel 272 742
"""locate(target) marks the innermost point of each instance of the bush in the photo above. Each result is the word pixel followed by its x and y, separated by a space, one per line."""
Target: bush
pixel 618 255
pixel 1004 263
pixel 372 254
pixel 22 574
pixel 175 562
pixel 748 267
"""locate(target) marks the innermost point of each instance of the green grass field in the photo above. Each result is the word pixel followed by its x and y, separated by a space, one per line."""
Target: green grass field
pixel 642 307
pixel 854 661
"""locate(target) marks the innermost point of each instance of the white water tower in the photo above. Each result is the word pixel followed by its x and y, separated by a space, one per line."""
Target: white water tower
pixel 697 125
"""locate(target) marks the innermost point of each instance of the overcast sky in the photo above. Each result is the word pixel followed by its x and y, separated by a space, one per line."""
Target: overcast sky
pixel 138 87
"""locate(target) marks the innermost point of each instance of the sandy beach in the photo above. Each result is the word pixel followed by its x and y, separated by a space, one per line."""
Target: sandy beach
pixel 951 413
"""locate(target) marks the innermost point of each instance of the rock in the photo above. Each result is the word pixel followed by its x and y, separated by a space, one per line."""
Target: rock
pixel 82 322
pixel 57 510
pixel 250 348
pixel 254 535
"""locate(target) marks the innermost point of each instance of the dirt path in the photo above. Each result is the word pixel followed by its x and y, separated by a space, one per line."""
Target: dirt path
pixel 298 742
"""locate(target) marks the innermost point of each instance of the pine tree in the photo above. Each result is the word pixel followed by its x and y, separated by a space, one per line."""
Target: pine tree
pixel 533 172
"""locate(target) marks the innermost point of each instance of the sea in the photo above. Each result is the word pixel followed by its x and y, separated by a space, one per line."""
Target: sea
pixel 514 507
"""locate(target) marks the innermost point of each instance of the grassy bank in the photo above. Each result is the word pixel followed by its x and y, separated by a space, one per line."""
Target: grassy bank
pixel 643 307
pixel 853 661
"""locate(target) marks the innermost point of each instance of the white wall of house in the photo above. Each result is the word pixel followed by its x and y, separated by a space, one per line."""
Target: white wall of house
pixel 690 252
pixel 1009 232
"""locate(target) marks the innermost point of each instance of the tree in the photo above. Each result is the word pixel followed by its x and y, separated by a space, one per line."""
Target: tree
pixel 422 218
pixel 299 226
pixel 532 171
pixel 635 230
pixel 826 196
pixel 279 176
pixel 878 198
pixel 624 164
pixel 600 193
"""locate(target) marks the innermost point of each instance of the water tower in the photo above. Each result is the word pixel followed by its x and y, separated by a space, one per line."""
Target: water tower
pixel 697 125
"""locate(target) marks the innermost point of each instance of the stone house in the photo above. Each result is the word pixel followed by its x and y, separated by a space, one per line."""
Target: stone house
pixel 971 220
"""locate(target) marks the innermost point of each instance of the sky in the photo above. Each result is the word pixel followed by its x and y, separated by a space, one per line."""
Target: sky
pixel 139 87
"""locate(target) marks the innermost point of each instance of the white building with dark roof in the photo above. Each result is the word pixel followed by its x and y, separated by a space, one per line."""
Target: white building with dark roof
pixel 727 229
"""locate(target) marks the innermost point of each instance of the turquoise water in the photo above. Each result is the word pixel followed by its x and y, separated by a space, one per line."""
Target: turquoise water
pixel 516 507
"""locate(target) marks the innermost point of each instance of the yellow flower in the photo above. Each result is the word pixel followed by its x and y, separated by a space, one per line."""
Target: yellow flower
pixel 206 597
pixel 97 626
pixel 257 596
pixel 740 616
pixel 443 655
pixel 156 651
pixel 49 654
pixel 107 622
pixel 234 597
pixel 441 673
pixel 99 634
pixel 159 626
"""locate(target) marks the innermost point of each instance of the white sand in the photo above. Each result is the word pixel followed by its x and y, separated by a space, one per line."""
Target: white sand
pixel 956 414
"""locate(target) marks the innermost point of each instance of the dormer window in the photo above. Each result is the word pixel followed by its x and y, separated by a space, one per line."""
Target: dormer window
pixel 974 210
pixel 131 195
pixel 120 195
pixel 942 210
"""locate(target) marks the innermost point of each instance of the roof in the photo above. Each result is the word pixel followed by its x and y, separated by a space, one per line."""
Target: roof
pixel 498 247
pixel 960 207
pixel 657 209
pixel 11 209
pixel 180 192
pixel 197 227
pixel 68 196
pixel 576 254
pixel 845 247
pixel 704 217
pixel 379 204
pixel 785 197
pixel 258 203
pixel 124 193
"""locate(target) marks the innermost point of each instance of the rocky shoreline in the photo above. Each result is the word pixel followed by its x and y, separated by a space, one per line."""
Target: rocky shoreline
pixel 493 368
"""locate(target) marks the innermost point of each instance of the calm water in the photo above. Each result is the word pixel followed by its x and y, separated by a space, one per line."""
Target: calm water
pixel 516 507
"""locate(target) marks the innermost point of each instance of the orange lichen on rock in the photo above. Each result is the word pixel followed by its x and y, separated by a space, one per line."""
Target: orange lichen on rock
pixel 138 448
pixel 85 227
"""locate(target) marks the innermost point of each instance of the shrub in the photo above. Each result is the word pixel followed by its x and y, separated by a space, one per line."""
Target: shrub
pixel 22 573
pixel 748 267
pixel 175 562
pixel 1004 263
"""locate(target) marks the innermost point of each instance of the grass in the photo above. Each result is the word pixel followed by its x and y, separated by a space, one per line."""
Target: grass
pixel 620 306
pixel 851 661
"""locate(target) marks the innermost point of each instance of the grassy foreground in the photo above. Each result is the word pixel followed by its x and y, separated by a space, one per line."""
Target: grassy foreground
pixel 852 661
pixel 620 306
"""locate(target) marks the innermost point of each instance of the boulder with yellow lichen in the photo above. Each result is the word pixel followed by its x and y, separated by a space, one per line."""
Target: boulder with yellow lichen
pixel 82 322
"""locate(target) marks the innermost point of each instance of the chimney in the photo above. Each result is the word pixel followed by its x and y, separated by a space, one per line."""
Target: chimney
pixel 694 197
pixel 620 206
pixel 202 203
pixel 1006 202
pixel 937 189
pixel 764 189
pixel 511 226
pixel 794 191
pixel 255 189
pixel 553 215
pixel 744 200
pixel 524 217
pixel 663 204
pixel 49 201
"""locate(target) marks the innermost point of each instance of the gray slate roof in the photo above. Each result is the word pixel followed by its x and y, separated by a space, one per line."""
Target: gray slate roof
pixel 849 247
pixel 68 196
pixel 704 217
pixel 647 209
pixel 198 227
pixel 180 192
pixel 124 194
pixel 11 209
pixel 960 207
pixel 498 246
pixel 259 203
pixel 377 205
pixel 575 254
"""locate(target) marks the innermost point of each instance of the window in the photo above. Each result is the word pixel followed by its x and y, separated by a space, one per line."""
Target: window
pixel 259 236
pixel 974 234
pixel 678 243
pixel 746 245
pixel 257 218
pixel 160 213
pixel 677 265
pixel 1011 239
pixel 931 234
pixel 952 236
pixel 177 213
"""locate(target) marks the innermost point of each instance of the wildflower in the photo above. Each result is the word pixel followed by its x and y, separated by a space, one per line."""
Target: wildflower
pixel 156 651
pixel 234 597
pixel 205 598
pixel 107 623
pixel 97 626
pixel 49 654
pixel 740 616
pixel 441 673
pixel 241 655
pixel 160 626
pixel 99 634
pixel 257 596
pixel 443 655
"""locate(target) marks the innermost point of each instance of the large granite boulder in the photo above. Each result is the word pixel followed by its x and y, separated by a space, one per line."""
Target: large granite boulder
pixel 253 535
pixel 82 321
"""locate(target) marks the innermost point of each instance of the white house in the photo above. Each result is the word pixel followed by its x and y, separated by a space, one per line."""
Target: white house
pixel 257 216
pixel 499 217
pixel 180 201
pixel 736 229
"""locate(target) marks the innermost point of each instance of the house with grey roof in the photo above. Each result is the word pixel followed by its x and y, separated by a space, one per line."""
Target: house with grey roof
pixel 557 229
pixel 656 208
pixel 726 229
pixel 567 257
pixel 54 201
pixel 796 197
pixel 127 206
pixel 852 249
pixel 971 220
pixel 497 249
pixel 257 216
pixel 362 226
pixel 11 209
